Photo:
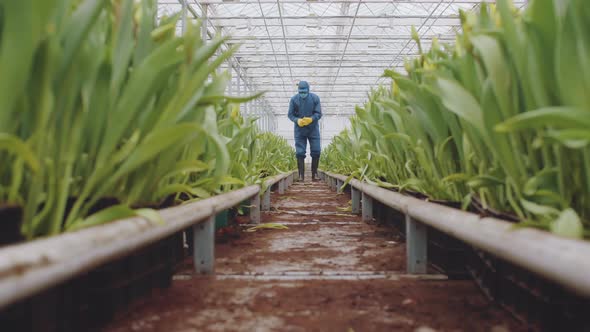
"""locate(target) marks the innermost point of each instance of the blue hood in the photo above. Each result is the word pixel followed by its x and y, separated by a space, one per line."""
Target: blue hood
pixel 303 85
pixel 303 89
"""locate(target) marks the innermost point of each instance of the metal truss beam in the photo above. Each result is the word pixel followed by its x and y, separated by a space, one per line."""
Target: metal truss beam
pixel 250 2
pixel 334 65
pixel 235 38
pixel 295 21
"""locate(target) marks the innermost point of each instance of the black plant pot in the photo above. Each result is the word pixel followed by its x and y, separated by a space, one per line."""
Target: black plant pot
pixel 10 224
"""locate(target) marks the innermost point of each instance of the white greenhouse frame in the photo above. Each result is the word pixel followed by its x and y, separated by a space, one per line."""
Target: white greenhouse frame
pixel 340 46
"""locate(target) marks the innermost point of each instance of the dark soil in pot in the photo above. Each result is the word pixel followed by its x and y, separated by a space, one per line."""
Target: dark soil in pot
pixel 479 208
pixel 102 204
pixel 10 224
pixel 171 200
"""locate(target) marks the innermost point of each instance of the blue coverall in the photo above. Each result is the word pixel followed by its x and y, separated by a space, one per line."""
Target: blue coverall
pixel 300 107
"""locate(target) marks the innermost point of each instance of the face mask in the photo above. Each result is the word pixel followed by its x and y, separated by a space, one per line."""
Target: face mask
pixel 303 94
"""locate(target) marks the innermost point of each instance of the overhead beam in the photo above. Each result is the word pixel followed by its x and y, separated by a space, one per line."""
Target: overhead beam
pixel 235 38
pixel 365 86
pixel 323 94
pixel 316 85
pixel 241 22
pixel 335 91
pixel 320 83
pixel 313 63
pixel 335 65
pixel 261 75
pixel 327 104
pixel 285 105
pixel 377 44
pixel 333 102
pixel 242 53
pixel 256 59
pixel 330 17
pixel 249 2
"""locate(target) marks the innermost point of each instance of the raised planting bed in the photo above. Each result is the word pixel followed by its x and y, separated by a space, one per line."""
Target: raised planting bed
pixel 540 278
pixel 78 280
pixel 91 299
pixel 446 254
pixel 542 304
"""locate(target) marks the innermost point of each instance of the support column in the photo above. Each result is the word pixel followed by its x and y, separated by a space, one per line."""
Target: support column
pixel 204 10
pixel 416 246
pixel 239 90
pixel 281 187
pixel 247 106
pixel 184 14
pixel 339 185
pixel 255 209
pixel 266 200
pixel 231 76
pixel 356 200
pixel 367 207
pixel 204 246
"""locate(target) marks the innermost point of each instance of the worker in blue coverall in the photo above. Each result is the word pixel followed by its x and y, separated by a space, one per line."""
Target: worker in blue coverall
pixel 305 111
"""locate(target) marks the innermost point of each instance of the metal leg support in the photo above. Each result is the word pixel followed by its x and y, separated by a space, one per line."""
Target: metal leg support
pixel 204 246
pixel 255 209
pixel 281 187
pixel 356 200
pixel 367 203
pixel 339 186
pixel 266 200
pixel 416 246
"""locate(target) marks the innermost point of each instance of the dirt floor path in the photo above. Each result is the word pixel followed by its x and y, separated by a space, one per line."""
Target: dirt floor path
pixel 328 271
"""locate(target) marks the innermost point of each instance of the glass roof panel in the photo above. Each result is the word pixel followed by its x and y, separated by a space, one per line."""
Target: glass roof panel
pixel 341 47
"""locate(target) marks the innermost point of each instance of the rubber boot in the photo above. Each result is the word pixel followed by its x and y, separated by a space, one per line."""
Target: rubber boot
pixel 301 168
pixel 314 169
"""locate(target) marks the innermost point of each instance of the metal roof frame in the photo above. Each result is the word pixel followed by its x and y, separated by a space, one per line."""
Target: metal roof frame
pixel 341 47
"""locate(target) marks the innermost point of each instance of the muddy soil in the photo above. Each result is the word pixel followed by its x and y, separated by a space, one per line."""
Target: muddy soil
pixel 328 271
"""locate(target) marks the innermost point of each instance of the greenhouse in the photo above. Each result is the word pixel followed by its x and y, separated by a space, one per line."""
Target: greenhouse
pixel 294 165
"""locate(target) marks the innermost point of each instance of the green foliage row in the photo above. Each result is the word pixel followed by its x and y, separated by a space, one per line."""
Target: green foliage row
pixel 98 101
pixel 501 118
